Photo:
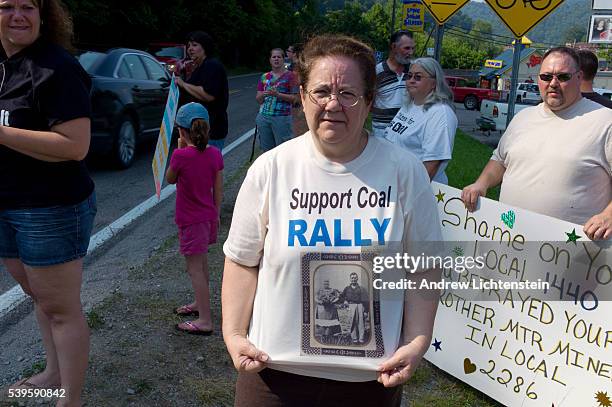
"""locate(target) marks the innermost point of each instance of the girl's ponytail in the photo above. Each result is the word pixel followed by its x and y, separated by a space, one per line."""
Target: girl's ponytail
pixel 199 133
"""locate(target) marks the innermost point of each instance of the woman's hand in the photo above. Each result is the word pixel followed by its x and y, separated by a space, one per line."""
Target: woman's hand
pixel 271 92
pixel 179 81
pixel 401 366
pixel 246 357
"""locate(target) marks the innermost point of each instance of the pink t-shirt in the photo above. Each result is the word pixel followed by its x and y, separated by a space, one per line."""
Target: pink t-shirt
pixel 196 178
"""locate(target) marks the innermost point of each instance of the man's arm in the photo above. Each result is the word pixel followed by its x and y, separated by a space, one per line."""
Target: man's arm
pixel 599 227
pixel 491 176
pixel 432 168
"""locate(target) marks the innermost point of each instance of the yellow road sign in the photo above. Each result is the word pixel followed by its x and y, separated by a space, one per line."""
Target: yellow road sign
pixel 494 63
pixel 522 15
pixel 413 15
pixel 442 10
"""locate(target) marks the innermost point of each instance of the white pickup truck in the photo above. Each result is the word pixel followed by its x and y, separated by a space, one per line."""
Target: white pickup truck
pixel 493 113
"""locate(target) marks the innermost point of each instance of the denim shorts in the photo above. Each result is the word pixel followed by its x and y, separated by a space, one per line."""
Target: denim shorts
pixel 42 237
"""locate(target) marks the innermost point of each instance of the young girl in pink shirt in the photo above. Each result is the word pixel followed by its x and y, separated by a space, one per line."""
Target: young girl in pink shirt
pixel 197 169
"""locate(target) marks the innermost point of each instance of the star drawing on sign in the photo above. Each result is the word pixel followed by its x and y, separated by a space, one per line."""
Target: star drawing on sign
pixel 572 237
pixel 437 344
pixel 603 399
pixel 440 196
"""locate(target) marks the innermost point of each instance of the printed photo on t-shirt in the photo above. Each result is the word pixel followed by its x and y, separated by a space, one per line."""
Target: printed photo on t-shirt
pixel 341 311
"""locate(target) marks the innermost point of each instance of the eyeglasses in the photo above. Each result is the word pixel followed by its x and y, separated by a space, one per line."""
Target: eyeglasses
pixel 417 76
pixel 561 77
pixel 322 97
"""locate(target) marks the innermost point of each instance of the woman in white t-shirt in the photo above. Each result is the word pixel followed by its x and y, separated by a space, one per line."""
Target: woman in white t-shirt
pixel 308 216
pixel 427 123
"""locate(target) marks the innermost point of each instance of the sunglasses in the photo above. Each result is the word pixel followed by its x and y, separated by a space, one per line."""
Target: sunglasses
pixel 417 76
pixel 561 77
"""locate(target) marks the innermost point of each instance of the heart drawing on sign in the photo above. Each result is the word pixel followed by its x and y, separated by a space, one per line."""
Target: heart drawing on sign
pixel 508 218
pixel 468 366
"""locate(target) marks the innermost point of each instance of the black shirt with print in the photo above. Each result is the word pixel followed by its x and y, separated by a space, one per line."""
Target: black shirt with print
pixel 41 86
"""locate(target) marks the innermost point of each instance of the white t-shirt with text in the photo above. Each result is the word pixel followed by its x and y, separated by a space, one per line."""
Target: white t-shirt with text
pixel 300 219
pixel 429 134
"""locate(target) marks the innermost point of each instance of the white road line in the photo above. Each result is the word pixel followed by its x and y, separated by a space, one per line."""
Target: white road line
pixel 14 297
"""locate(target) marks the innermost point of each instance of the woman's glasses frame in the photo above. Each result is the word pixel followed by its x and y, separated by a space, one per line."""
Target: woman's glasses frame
pixel 345 99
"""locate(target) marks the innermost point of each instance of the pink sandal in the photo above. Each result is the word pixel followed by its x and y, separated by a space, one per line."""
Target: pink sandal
pixel 191 328
pixel 186 310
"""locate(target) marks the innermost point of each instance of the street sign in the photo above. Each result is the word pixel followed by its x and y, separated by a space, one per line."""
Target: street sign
pixel 442 10
pixel 522 15
pixel 413 15
pixel 165 136
pixel 379 56
pixel 494 63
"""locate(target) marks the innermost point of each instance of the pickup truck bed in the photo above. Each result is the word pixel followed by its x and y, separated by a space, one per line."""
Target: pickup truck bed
pixel 493 114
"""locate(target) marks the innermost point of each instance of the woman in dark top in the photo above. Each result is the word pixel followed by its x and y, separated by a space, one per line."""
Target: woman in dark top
pixel 206 83
pixel 47 203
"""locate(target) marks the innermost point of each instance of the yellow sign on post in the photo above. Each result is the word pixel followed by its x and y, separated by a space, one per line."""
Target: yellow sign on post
pixel 493 63
pixel 442 10
pixel 522 15
pixel 413 15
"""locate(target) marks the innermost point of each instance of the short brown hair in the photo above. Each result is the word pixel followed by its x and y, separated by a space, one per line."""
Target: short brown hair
pixel 56 24
pixel 327 45
pixel 570 52
pixel 588 64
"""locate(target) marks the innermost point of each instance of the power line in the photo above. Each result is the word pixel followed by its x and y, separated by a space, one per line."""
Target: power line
pixel 459 32
pixel 510 39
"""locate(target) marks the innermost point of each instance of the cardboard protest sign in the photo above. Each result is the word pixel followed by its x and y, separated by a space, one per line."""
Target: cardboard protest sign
pixel 165 136
pixel 531 327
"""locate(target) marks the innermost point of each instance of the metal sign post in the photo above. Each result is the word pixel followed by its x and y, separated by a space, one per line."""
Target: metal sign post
pixel 393 18
pixel 516 64
pixel 438 46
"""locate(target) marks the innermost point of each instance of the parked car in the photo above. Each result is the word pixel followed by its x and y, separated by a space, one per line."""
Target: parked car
pixel 471 97
pixel 128 97
pixel 172 55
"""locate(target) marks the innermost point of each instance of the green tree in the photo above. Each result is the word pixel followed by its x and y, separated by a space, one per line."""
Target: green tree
pixel 377 20
pixel 576 33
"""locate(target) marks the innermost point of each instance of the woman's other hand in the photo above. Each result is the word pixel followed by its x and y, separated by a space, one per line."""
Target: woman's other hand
pixel 246 357
pixel 401 366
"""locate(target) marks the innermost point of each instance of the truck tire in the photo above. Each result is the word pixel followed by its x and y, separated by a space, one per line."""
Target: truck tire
pixel 470 102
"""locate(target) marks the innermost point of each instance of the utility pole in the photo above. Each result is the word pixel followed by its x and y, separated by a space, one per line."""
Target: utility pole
pixel 516 64
pixel 393 18
pixel 438 46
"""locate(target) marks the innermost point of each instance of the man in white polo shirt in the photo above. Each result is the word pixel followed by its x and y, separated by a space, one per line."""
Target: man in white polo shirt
pixel 556 158
pixel 391 81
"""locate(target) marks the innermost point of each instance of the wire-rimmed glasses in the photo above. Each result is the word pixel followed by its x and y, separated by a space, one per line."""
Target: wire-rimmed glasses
pixel 322 97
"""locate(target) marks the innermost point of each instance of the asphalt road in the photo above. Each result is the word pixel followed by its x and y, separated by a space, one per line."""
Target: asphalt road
pixel 118 191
